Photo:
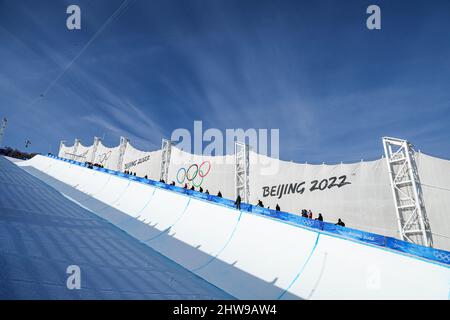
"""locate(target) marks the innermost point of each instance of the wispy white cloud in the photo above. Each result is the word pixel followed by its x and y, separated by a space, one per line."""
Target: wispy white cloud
pixel 232 64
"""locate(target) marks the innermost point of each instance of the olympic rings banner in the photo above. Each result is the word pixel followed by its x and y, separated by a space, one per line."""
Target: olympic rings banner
pixel 210 173
pixel 194 174
pixel 107 157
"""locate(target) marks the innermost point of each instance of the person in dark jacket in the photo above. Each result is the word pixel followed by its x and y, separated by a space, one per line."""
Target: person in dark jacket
pixel 219 194
pixel 320 218
pixel 340 223
pixel 277 207
pixel 207 191
pixel 200 189
pixel 172 183
pixel 237 203
pixel 260 204
pixel 193 188
pixel 185 186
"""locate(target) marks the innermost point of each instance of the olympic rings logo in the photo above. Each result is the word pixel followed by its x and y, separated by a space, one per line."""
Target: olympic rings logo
pixel 442 256
pixel 194 174
pixel 102 158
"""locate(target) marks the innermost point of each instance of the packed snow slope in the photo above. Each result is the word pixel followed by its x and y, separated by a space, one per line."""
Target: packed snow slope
pixel 42 233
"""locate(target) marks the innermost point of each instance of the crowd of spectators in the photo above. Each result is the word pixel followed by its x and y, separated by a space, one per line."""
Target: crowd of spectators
pixel 308 214
pixel 91 165
pixel 304 213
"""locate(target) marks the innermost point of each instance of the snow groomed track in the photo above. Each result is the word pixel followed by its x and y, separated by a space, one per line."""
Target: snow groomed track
pixel 252 253
pixel 42 233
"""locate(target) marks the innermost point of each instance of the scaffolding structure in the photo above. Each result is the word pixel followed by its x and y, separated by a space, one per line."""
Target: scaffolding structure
pixel 166 148
pixel 242 168
pixel 94 149
pixel 412 219
pixel 122 148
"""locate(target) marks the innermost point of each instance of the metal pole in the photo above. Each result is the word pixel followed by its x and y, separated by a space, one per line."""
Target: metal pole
pixel 2 130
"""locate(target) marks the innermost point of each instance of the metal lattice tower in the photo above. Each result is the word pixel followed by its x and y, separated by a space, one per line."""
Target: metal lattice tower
pixel 412 220
pixel 166 148
pixel 242 166
pixel 2 130
pixel 122 147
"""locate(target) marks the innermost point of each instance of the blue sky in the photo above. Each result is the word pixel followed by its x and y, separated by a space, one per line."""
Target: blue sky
pixel 310 68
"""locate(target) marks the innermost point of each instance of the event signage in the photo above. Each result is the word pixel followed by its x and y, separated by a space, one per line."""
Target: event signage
pixel 300 187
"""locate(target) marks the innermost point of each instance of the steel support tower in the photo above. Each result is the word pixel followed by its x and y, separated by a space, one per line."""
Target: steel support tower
pixel 412 220
pixel 242 168
pixel 94 150
pixel 122 148
pixel 166 148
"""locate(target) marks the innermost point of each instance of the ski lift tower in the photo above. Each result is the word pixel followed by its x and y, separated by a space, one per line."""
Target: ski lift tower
pixel 2 130
pixel 412 220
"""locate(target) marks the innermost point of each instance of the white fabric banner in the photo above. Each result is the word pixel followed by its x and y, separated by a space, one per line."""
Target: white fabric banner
pixel 435 182
pixel 108 157
pixel 83 153
pixel 142 163
pixel 65 152
pixel 358 193
pixel 211 173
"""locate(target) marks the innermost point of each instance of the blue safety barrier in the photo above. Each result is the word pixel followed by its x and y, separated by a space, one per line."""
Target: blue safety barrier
pixel 437 255
pixel 414 249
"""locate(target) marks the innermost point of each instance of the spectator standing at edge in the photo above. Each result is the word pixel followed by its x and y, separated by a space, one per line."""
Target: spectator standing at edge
pixel 237 203
pixel 310 215
pixel 207 191
pixel 200 189
pixel 260 204
pixel 219 194
pixel 277 207
pixel 320 218
pixel 340 223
